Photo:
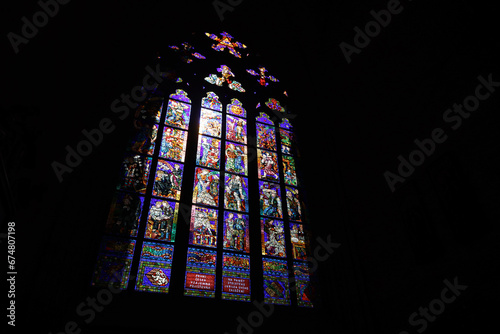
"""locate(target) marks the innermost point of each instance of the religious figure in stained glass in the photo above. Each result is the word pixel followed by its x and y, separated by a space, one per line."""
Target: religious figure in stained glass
pixel 135 173
pixel 293 204
pixel 226 77
pixel 144 138
pixel 225 42
pixel 236 237
pixel 299 241
pixel 236 193
pixel 208 154
pixel 162 220
pixel 266 137
pixel 186 52
pixel 173 145
pixel 273 237
pixel 289 172
pixel 210 123
pixel 203 228
pixel 168 179
pixel 178 114
pixel 206 187
pixel 262 76
pixel 236 129
pixel 125 214
pixel 270 200
pixel 236 158
pixel 267 163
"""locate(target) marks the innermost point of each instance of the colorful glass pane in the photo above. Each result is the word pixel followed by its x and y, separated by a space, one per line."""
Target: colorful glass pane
pixel 293 204
pixel 235 277
pixel 180 95
pixel 162 220
pixel 149 112
pixel 276 281
pixel 211 101
pixel 200 273
pixel 155 267
pixel 303 286
pixel 270 199
pixel 285 124
pixel 210 123
pixel 173 144
pixel 267 163
pixel 168 179
pixel 236 193
pixel 206 187
pixel 113 263
pixel 236 235
pixel 125 214
pixel 266 137
pixel 178 114
pixel 263 118
pixel 225 41
pixel 272 237
pixel 286 141
pixel 236 158
pixel 203 227
pixel 135 173
pixel 236 129
pixel 289 172
pixel 299 241
pixel 208 154
pixel 236 108
pixel 144 138
pixel 274 105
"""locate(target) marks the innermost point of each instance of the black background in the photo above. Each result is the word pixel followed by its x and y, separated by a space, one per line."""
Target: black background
pixel 354 120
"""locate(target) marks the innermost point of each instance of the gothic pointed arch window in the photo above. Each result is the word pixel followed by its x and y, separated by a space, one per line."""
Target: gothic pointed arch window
pixel 211 181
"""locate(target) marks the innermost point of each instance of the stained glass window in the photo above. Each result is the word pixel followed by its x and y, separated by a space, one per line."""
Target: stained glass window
pixel 149 190
pixel 276 284
pixel 273 237
pixel 162 220
pixel 236 277
pixel 203 228
pixel 200 272
pixel 155 267
pixel 226 42
pixel 236 235
pixel 125 214
pixel 236 129
pixel 236 193
pixel 208 154
pixel 266 137
pixel 114 262
pixel 151 197
pixel 236 158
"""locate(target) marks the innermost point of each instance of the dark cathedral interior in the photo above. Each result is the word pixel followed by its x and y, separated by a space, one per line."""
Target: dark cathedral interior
pixel 394 109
